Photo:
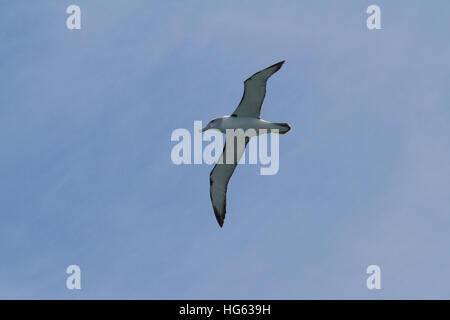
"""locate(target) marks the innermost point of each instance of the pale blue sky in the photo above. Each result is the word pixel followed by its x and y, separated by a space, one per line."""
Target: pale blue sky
pixel 85 170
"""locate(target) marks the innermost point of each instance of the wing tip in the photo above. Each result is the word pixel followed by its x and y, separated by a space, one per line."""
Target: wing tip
pixel 219 218
pixel 277 67
pixel 278 64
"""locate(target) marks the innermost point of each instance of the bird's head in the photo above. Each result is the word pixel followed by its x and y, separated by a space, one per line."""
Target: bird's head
pixel 213 124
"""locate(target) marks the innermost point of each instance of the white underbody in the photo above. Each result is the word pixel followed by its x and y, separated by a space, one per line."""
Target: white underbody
pixel 245 123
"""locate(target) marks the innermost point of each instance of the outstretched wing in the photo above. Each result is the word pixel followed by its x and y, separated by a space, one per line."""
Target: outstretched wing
pixel 220 176
pixel 254 92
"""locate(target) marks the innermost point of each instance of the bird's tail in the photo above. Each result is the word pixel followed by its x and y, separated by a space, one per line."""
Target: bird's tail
pixel 282 127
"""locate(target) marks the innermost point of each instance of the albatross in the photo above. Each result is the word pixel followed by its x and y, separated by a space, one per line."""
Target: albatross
pixel 246 116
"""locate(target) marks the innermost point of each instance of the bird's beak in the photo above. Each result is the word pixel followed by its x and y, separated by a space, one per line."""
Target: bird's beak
pixel 203 130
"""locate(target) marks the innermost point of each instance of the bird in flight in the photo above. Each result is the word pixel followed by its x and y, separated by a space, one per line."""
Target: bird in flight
pixel 246 116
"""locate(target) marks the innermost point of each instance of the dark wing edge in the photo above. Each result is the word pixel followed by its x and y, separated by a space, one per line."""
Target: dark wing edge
pixel 220 208
pixel 218 182
pixel 276 66
pixel 256 105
